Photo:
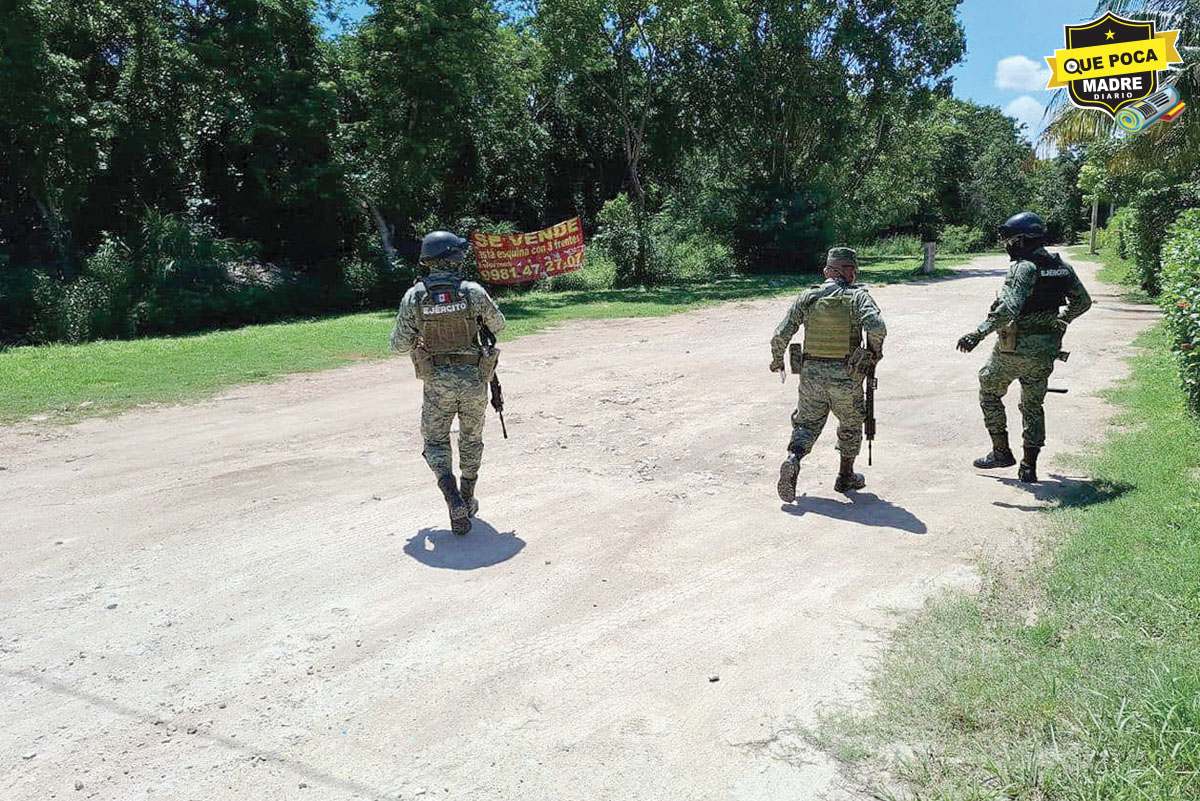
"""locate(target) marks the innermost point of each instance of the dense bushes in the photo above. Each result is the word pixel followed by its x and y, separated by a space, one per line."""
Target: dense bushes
pixel 175 275
pixel 1137 231
pixel 964 239
pixel 1181 297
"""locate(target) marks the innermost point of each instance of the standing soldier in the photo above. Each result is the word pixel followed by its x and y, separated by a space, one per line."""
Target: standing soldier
pixel 1030 320
pixel 439 324
pixel 835 315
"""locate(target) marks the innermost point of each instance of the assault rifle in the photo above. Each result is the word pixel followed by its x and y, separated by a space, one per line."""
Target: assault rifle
pixel 869 424
pixel 489 341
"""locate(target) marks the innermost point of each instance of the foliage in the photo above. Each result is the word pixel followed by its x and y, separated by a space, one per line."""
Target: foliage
pixel 320 163
pixel 965 239
pixel 1181 298
pixel 1141 225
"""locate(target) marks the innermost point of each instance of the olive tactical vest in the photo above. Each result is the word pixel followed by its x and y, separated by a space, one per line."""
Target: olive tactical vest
pixel 1054 281
pixel 829 329
pixel 447 324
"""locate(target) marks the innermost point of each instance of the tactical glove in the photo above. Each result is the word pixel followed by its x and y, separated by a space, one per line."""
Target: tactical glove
pixel 968 342
pixel 776 365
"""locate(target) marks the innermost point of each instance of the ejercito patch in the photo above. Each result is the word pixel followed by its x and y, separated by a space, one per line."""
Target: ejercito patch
pixel 445 308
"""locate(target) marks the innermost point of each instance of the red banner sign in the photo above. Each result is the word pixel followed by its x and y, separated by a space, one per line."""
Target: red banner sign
pixel 519 258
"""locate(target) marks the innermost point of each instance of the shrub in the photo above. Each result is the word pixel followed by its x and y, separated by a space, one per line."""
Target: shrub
pixel 1143 225
pixel 964 239
pixel 1181 298
pixel 893 245
pixel 626 240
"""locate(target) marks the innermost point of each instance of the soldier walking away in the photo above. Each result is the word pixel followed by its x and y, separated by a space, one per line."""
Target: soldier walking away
pixel 439 325
pixel 832 364
pixel 1030 320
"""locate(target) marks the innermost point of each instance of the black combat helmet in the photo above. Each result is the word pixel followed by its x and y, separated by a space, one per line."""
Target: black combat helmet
pixel 442 246
pixel 1023 233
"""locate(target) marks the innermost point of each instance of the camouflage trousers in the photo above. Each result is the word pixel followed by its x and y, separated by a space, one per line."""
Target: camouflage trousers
pixel 826 387
pixel 452 391
pixel 1032 365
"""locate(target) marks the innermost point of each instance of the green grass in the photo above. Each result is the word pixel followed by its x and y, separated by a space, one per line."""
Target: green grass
pixel 63 383
pixel 1077 679
pixel 1115 270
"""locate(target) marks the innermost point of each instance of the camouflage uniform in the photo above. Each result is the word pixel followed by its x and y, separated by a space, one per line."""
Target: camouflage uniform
pixel 454 385
pixel 828 385
pixel 1030 303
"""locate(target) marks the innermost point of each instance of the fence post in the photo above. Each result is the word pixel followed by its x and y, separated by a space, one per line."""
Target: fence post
pixel 927 267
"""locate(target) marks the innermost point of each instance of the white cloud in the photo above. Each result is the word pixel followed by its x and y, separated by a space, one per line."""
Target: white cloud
pixel 1029 111
pixel 1021 74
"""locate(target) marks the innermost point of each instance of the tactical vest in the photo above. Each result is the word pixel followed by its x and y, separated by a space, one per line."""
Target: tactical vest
pixel 1054 281
pixel 829 329
pixel 447 324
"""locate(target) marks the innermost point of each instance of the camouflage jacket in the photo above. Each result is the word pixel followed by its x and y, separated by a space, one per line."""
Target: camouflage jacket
pixel 865 313
pixel 1018 287
pixel 408 321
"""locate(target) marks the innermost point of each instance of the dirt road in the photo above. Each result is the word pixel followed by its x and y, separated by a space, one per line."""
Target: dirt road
pixel 257 597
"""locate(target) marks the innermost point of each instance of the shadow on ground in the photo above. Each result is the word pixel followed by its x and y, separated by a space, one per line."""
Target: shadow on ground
pixel 864 508
pixel 483 547
pixel 1055 491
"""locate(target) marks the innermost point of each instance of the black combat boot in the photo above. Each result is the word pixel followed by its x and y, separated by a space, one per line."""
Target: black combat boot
pixel 1001 455
pixel 460 514
pixel 1027 472
pixel 467 488
pixel 787 478
pixel 847 479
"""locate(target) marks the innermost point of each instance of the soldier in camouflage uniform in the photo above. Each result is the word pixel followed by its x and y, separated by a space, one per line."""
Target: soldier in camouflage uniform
pixel 835 316
pixel 1030 319
pixel 438 325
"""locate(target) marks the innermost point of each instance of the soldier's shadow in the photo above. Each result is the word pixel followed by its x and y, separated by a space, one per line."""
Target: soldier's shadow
pixel 482 547
pixel 864 508
pixel 1057 490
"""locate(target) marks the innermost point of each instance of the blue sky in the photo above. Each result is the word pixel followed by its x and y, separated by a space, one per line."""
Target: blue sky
pixel 1007 43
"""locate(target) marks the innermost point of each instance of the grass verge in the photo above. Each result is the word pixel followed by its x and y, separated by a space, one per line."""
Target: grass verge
pixel 62 383
pixel 1079 679
pixel 1114 270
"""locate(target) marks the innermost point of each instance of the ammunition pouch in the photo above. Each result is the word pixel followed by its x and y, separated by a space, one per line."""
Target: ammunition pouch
pixel 488 360
pixel 796 357
pixel 422 363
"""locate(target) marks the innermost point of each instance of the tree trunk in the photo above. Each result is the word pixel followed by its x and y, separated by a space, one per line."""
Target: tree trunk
pixel 930 250
pixel 385 233
pixel 57 238
pixel 1095 216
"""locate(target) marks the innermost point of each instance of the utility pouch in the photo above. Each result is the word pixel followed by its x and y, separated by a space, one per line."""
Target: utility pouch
pixel 488 359
pixel 422 363
pixel 860 361
pixel 796 357
pixel 1008 339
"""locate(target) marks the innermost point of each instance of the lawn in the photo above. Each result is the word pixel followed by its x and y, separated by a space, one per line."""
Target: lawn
pixel 62 383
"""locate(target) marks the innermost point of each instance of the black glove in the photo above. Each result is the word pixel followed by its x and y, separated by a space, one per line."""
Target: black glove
pixel 968 342
pixel 776 365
